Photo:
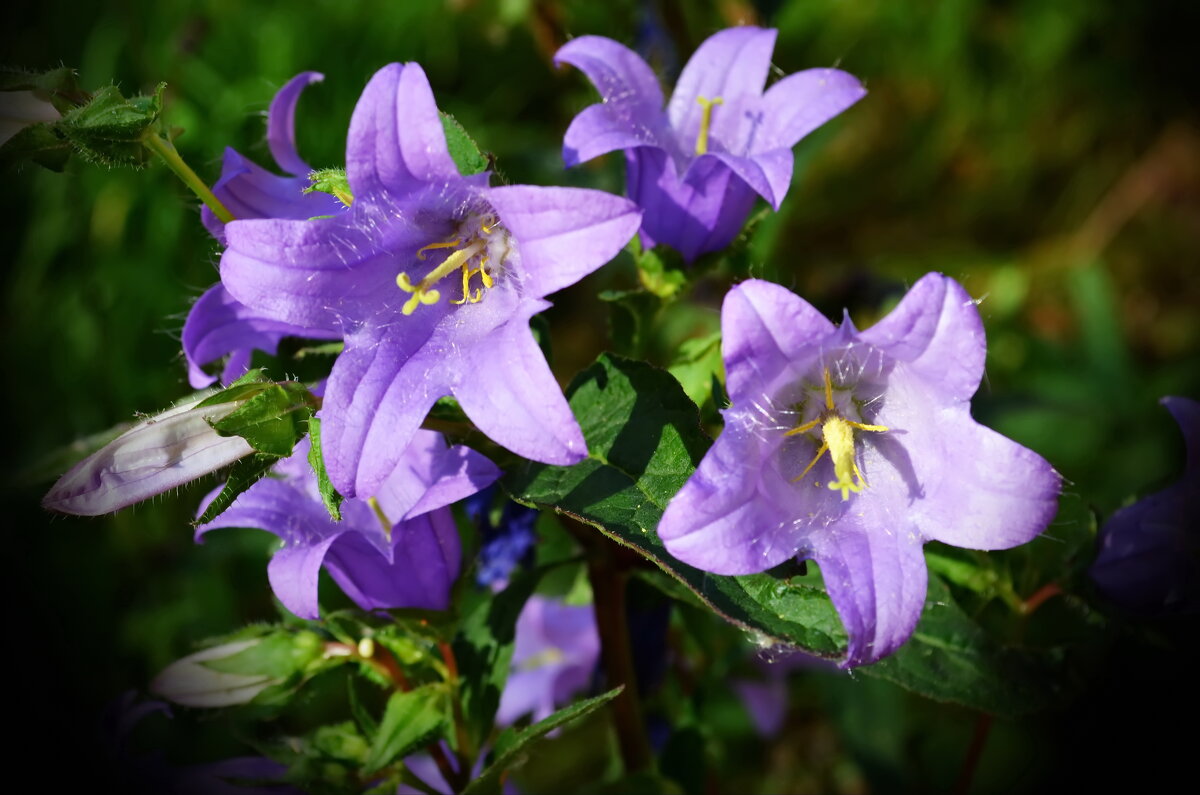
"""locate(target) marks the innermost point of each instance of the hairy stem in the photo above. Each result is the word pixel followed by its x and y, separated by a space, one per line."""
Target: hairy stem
pixel 166 150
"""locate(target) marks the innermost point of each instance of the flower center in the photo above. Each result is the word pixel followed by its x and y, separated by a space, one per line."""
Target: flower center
pixel 837 438
pixel 478 252
pixel 706 109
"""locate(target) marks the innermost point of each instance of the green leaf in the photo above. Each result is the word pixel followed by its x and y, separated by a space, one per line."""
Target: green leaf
pixel 109 129
pixel 242 475
pixel 484 646
pixel 316 459
pixel 644 441
pixel 696 366
pixel 463 150
pixel 514 746
pixel 949 658
pixel 39 143
pixel 411 720
pixel 272 420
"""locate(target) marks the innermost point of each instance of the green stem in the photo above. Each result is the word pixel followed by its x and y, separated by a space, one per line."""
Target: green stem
pixel 166 150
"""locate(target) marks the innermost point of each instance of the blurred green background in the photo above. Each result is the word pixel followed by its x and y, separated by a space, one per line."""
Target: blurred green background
pixel 1045 154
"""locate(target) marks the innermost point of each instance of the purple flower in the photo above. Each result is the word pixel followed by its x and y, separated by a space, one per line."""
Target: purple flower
pixel 1149 558
pixel 506 544
pixel 554 657
pixel 217 324
pixel 853 449
pixel 399 548
pixel 431 277
pixel 695 167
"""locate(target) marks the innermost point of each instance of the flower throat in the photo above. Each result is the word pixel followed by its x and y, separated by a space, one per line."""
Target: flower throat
pixel 837 438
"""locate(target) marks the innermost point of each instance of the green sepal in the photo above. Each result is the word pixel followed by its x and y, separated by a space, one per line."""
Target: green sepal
pixel 272 419
pixel 332 181
pixel 463 149
pixel 410 720
pixel 316 459
pixel 279 655
pixel 242 475
pixel 514 746
pixel 110 129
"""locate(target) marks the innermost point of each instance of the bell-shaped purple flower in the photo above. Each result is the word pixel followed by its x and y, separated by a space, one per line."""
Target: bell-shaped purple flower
pixel 431 278
pixel 695 167
pixel 218 325
pixel 853 448
pixel 397 549
pixel 1149 558
pixel 554 657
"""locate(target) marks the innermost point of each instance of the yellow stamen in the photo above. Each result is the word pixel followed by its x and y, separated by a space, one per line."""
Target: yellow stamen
pixel 820 452
pixel 706 109
pixel 422 292
pixel 384 522
pixel 444 244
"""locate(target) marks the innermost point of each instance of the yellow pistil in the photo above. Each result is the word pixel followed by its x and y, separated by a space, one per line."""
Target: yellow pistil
pixel 837 438
pixel 422 292
pixel 706 109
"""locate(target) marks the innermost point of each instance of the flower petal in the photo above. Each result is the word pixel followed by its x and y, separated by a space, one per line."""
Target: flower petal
pixel 379 392
pixel 767 331
pixel 563 234
pixel 218 325
pixel 630 113
pixel 1187 413
pixel 281 123
pixel 320 274
pixel 510 394
pixel 294 572
pixel 728 518
pixel 396 142
pixel 729 65
pixel 875 574
pixel 937 332
pixel 703 212
pixel 970 486
pixel 250 191
pixel 802 102
pixel 424 565
pixel 431 475
pixel 769 174
pixel 154 456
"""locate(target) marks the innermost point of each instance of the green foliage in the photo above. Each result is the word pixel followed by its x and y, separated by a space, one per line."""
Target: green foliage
pixel 515 746
pixel 411 720
pixel 484 646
